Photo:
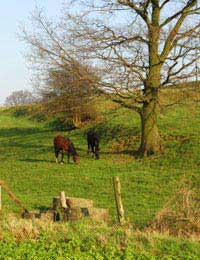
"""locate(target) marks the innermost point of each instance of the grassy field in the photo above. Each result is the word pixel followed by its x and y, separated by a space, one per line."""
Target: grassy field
pixel 28 167
pixel 28 164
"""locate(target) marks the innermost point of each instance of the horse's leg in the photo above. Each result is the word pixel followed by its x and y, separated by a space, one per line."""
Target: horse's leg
pixel 56 155
pixel 62 157
pixel 96 153
pixel 88 148
pixel 68 157
pixel 93 152
pixel 97 150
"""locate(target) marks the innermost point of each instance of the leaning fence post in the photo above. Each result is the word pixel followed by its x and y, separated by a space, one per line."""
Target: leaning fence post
pixel 120 209
pixel 12 196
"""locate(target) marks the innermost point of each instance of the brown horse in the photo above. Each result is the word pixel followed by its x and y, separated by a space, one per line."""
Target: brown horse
pixel 64 145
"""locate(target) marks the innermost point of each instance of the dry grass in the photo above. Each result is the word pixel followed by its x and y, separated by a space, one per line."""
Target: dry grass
pixel 22 229
pixel 121 144
pixel 181 215
pixel 12 225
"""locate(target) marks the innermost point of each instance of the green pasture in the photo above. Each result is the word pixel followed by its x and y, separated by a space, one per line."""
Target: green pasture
pixel 28 166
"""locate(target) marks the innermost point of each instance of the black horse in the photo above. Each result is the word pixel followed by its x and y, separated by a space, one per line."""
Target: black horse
pixel 93 140
pixel 64 145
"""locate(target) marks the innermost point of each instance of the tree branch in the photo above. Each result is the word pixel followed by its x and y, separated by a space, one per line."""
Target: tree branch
pixel 169 41
pixel 141 12
pixel 183 11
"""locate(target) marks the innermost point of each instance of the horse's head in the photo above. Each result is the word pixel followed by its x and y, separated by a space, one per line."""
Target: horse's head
pixel 75 158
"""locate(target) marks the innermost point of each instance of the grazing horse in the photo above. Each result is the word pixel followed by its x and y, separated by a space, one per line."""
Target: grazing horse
pixel 64 145
pixel 93 143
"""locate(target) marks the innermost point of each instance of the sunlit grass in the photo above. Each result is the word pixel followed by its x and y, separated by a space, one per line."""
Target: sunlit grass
pixel 28 167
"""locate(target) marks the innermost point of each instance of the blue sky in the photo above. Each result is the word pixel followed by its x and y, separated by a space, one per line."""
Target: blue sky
pixel 14 73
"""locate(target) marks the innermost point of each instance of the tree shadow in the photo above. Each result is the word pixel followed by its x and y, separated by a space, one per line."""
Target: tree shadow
pixel 61 125
pixel 126 152
pixel 21 131
pixel 43 208
pixel 26 139
pixel 30 160
pixel 20 112
pixel 109 132
pixel 36 160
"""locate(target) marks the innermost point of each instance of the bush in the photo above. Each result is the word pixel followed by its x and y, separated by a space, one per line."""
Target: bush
pixel 61 124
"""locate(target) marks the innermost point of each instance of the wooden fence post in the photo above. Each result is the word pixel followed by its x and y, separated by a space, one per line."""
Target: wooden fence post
pixel 12 196
pixel 120 209
pixel 63 200
pixel 64 208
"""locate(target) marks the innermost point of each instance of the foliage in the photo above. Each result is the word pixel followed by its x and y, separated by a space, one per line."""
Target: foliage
pixel 84 241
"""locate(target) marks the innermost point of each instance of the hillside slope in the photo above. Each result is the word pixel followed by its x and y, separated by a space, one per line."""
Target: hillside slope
pixel 29 169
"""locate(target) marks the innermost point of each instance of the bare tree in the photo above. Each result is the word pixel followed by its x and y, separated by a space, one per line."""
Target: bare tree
pixel 143 46
pixel 21 97
pixel 140 47
pixel 67 93
pixel 65 83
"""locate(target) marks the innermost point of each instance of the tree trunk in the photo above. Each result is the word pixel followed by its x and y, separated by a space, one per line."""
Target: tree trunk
pixel 150 138
pixel 76 119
